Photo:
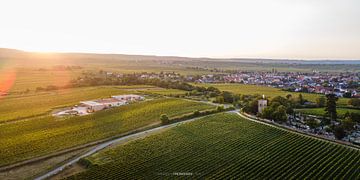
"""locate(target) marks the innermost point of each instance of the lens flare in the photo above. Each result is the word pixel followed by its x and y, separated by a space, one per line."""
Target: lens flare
pixel 7 80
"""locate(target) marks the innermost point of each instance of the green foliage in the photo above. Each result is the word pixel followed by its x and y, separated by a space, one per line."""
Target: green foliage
pixel 220 108
pixel 280 114
pixel 251 106
pixel 341 112
pixel 354 116
pixel 320 101
pixel 225 146
pixel 164 119
pixel 301 99
pixel 348 124
pixel 339 132
pixel 219 99
pixel 196 113
pixel 312 123
pixel 330 108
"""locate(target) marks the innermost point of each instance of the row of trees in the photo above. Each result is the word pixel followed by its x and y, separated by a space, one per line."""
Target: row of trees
pixel 166 120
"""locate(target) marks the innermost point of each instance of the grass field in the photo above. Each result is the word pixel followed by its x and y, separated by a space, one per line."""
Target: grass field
pixel 225 146
pixel 320 111
pixel 22 140
pixel 267 91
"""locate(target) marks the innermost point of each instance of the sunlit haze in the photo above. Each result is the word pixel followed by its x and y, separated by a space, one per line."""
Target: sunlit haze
pixel 300 29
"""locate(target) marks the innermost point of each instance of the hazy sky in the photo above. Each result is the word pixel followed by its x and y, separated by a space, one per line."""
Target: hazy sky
pixel 303 29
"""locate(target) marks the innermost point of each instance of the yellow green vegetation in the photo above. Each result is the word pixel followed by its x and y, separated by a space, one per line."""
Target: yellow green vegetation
pixel 321 111
pixel 33 104
pixel 224 146
pixel 162 91
pixel 22 140
pixel 267 91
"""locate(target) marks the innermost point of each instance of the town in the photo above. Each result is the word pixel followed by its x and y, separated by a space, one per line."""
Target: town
pixel 342 84
pixel 346 84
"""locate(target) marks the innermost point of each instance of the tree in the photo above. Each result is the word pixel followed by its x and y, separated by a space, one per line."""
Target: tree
pixel 281 100
pixel 164 119
pixel 228 97
pixel 353 116
pixel 219 99
pixel 289 96
pixel 280 114
pixel 196 113
pixel 251 106
pixel 347 95
pixel 339 132
pixel 330 109
pixel 320 101
pixel 301 99
pixel 348 124
pixel 312 123
pixel 220 108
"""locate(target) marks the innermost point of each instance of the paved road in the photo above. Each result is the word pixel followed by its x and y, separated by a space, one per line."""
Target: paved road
pixel 112 142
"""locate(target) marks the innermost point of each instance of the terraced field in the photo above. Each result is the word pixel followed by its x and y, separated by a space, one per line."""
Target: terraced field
pixel 267 91
pixel 22 140
pixel 224 146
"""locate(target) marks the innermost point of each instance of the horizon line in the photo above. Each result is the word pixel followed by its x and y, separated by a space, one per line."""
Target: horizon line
pixel 181 56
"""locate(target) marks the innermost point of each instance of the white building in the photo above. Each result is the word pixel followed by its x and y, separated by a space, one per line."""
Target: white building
pixel 93 105
pixel 128 97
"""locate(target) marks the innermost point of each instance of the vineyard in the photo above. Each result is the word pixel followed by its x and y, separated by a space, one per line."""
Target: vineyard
pixel 267 91
pixel 224 146
pixel 31 138
pixel 34 104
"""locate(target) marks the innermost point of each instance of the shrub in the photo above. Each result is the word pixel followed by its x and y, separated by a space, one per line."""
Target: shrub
pixel 164 119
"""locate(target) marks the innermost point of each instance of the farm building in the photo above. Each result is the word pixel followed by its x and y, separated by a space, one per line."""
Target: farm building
pixel 128 97
pixel 97 105
pixel 111 102
pixel 92 105
pixel 87 107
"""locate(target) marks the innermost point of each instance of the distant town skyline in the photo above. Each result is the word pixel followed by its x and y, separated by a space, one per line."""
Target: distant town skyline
pixel 277 29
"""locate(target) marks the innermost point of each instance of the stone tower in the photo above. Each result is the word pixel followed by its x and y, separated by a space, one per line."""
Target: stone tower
pixel 262 104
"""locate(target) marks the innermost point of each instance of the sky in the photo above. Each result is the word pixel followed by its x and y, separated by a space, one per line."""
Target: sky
pixel 286 29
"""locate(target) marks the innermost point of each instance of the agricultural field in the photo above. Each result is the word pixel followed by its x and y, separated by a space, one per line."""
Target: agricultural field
pixel 162 91
pixel 267 91
pixel 39 136
pixel 224 146
pixel 321 111
pixel 16 107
